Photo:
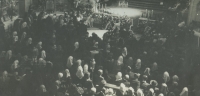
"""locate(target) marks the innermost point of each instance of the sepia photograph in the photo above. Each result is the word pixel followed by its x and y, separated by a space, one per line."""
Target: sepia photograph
pixel 99 47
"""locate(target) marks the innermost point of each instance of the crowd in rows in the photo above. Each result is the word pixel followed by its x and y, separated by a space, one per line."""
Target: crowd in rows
pixel 53 55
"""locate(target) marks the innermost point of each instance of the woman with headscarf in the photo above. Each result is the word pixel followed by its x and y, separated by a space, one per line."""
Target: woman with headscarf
pixel 43 54
pixel 175 78
pixel 85 69
pixel 151 92
pixel 15 45
pixel 69 62
pixel 34 55
pixel 24 28
pixel 138 66
pixel 122 91
pixel 67 78
pixel 118 79
pixel 164 89
pixel 124 52
pixel 27 47
pixel 172 94
pixel 118 65
pixel 87 82
pixel 76 51
pixel 98 77
pixel 139 92
pixel 161 94
pixel 8 59
pixel 23 38
pixel 184 92
pixel 79 75
pixel 15 66
pixel 4 83
pixel 147 73
pixel 42 91
pixel 39 46
pixel 144 84
pixel 130 62
pixel 175 88
pixel 154 84
pixel 166 77
pixel 154 71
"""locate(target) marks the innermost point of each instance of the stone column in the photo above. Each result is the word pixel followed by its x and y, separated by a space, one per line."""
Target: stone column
pixel 194 11
pixel 24 6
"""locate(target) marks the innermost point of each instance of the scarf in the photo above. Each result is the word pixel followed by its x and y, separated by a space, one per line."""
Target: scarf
pixel 69 61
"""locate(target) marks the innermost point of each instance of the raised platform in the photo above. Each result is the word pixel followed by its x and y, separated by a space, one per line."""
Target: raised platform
pixel 146 4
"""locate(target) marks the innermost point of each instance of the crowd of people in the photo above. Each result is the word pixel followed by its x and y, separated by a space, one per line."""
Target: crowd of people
pixel 53 55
